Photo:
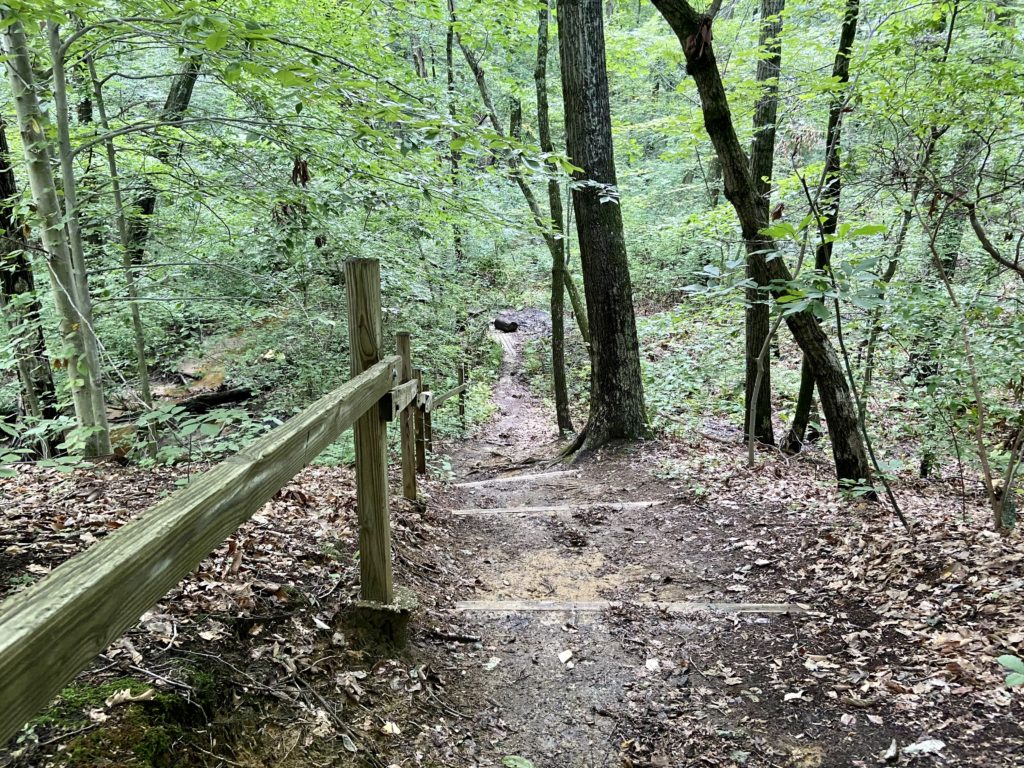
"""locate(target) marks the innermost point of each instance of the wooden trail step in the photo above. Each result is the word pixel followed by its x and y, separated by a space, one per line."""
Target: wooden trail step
pixel 616 506
pixel 519 478
pixel 593 606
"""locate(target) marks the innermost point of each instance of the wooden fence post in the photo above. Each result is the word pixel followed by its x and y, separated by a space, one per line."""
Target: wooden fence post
pixel 407 420
pixel 421 435
pixel 362 285
pixel 462 396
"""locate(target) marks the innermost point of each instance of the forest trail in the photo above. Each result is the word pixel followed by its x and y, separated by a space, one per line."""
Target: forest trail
pixel 611 678
pixel 893 663
pixel 607 678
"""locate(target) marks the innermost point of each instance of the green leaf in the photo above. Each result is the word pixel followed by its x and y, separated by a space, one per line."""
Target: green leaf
pixel 290 78
pixel 514 761
pixel 782 230
pixel 209 429
pixel 1012 681
pixel 216 40
pixel 233 72
pixel 867 229
pixel 532 164
pixel 1012 663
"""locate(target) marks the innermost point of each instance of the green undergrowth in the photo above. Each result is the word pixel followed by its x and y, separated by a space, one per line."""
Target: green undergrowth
pixel 93 724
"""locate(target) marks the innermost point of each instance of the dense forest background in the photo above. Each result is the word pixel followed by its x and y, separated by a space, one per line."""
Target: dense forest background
pixel 209 167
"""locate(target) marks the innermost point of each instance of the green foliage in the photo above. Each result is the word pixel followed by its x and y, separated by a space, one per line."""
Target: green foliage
pixel 1015 665
pixel 313 136
pixel 202 437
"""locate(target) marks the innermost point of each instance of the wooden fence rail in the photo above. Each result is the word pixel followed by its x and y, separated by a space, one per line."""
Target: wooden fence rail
pixel 52 630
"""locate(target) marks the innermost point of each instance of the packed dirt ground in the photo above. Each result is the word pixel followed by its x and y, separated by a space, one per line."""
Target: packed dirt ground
pixel 860 644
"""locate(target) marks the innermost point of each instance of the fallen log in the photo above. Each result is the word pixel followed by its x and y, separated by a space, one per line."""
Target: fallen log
pixel 206 401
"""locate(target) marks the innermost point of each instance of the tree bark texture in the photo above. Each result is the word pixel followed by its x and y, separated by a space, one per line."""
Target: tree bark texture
pixel 562 415
pixel 76 244
pixel 69 284
pixel 617 397
pixel 762 157
pixel 694 32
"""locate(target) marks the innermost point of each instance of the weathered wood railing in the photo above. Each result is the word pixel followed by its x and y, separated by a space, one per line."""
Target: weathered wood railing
pixel 51 631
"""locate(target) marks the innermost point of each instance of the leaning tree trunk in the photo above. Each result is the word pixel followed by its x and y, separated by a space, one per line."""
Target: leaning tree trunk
pixel 616 387
pixel 69 283
pixel 557 244
pixel 694 33
pixel 758 399
pixel 517 174
pixel 21 307
pixel 829 211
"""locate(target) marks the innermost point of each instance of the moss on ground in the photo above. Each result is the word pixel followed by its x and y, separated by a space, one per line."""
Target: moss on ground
pixel 155 733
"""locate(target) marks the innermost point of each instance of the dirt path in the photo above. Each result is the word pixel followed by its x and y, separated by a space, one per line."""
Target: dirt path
pixel 581 687
pixel 634 685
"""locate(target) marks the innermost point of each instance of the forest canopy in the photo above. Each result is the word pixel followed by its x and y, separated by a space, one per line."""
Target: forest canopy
pixel 836 183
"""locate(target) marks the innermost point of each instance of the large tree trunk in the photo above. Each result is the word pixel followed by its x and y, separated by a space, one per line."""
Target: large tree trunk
pixel 69 281
pixel 762 157
pixel 694 33
pixel 540 77
pixel 829 210
pixel 21 308
pixel 616 390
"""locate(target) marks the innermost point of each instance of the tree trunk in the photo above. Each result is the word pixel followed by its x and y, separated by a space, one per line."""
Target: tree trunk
pixel 517 174
pixel 762 156
pixel 75 243
pixel 562 415
pixel 138 329
pixel 694 33
pixel 178 98
pixel 21 307
pixel 454 155
pixel 616 389
pixel 69 284
pixel 829 210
